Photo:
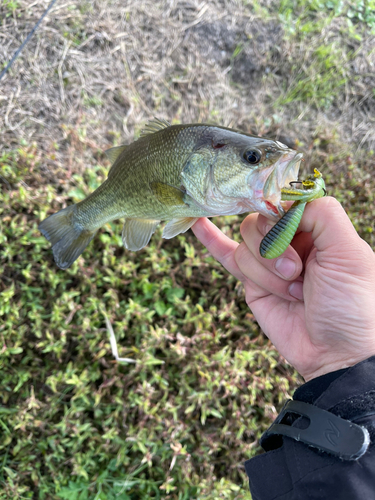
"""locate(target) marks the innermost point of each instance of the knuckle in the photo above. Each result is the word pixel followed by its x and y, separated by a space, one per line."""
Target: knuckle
pixel 241 253
pixel 246 225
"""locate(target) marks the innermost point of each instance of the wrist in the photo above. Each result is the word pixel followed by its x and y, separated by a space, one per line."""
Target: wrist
pixel 335 365
pixel 332 388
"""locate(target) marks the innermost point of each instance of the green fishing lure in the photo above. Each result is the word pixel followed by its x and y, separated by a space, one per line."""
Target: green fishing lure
pixel 279 237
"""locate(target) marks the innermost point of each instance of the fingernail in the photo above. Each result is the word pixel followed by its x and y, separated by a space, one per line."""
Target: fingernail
pixel 267 229
pixel 285 267
pixel 296 290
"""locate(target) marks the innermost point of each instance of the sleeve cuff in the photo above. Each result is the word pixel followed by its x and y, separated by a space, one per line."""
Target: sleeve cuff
pixel 348 393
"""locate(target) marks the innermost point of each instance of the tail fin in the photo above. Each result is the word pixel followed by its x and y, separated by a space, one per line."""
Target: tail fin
pixel 68 237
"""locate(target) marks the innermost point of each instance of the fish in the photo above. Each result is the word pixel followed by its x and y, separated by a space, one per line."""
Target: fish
pixel 176 173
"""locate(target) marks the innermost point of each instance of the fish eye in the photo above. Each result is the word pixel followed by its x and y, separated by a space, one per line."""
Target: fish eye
pixel 252 156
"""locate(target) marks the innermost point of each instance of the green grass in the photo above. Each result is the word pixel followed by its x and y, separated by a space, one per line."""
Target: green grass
pixel 327 34
pixel 75 424
pixel 319 80
pixel 10 7
pixel 360 11
pixel 180 421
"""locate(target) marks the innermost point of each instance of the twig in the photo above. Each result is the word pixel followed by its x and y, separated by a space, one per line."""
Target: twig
pixel 113 342
pixel 59 70
pixel 18 51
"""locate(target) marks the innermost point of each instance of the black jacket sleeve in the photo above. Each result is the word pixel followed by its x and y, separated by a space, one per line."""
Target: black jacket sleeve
pixel 292 470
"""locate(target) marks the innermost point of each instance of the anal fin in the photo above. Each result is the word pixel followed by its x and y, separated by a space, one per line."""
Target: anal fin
pixel 177 226
pixel 136 233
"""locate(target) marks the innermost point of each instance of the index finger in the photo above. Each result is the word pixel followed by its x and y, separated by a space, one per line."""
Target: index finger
pixel 220 246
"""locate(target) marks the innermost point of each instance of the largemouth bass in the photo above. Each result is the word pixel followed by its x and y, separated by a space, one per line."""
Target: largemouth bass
pixel 176 173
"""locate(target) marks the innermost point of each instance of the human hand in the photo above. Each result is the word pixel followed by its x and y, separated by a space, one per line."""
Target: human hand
pixel 316 302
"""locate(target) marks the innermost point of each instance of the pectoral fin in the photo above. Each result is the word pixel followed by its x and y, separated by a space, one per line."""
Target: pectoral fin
pixel 136 233
pixel 177 226
pixel 168 195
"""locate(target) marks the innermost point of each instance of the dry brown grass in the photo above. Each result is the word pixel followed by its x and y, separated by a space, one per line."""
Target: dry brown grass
pixel 109 66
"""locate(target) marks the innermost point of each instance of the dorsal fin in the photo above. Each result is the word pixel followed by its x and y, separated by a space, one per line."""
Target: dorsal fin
pixel 154 126
pixel 113 153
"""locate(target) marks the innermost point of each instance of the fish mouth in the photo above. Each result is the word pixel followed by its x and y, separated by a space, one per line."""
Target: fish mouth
pixel 284 171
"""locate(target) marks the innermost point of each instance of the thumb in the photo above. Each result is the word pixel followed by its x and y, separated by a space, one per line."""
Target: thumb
pixel 335 238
